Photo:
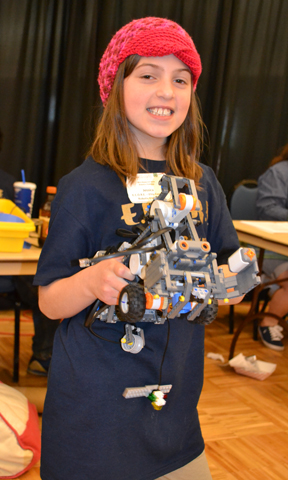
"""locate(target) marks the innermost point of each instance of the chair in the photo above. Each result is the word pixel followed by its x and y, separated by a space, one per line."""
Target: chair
pixel 242 206
pixel 242 203
pixel 10 301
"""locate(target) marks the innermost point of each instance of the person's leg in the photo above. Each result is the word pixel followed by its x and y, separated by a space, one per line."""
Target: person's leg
pixel 6 287
pixel 278 304
pixel 6 284
pixel 44 328
pixel 198 469
pixel 269 330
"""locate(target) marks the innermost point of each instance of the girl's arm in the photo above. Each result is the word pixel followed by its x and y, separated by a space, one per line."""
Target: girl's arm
pixel 66 297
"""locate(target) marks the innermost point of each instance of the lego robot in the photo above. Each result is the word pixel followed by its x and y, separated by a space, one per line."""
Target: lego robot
pixel 175 272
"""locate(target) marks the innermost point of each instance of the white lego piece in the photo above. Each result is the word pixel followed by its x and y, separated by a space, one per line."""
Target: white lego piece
pixel 124 246
pixel 237 261
pixel 172 215
pixel 135 265
pixel 135 392
pixel 200 293
pixel 159 402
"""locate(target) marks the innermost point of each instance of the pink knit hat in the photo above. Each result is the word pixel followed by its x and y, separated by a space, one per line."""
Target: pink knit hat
pixel 148 37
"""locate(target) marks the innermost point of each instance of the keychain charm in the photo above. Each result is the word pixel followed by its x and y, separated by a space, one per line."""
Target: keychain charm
pixel 157 399
pixel 155 393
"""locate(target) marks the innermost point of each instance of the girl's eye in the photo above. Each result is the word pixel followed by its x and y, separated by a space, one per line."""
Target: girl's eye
pixel 181 81
pixel 147 76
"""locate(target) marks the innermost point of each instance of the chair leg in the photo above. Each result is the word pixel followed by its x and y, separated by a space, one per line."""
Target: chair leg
pixel 255 329
pixel 255 322
pixel 17 309
pixel 231 319
pixel 236 335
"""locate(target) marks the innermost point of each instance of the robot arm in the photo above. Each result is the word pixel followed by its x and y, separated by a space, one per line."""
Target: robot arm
pixel 243 262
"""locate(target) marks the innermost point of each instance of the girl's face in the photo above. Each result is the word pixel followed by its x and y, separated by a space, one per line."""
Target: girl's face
pixel 157 96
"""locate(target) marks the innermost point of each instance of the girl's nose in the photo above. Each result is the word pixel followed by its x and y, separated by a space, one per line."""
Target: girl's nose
pixel 165 90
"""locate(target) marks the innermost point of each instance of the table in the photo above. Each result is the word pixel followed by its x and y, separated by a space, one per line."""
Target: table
pixel 267 236
pixel 22 263
pixel 252 233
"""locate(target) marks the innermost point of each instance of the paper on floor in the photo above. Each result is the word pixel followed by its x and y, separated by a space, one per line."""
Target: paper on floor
pixel 215 356
pixel 251 367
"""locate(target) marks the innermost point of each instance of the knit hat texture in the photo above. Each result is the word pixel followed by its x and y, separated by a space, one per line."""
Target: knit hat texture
pixel 147 37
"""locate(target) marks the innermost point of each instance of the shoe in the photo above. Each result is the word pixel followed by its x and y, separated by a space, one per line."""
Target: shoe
pixel 271 337
pixel 38 367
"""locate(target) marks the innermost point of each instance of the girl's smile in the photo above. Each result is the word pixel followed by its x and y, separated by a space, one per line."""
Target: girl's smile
pixel 157 96
pixel 162 112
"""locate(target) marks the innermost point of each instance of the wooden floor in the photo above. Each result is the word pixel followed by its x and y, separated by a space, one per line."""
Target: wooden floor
pixel 244 421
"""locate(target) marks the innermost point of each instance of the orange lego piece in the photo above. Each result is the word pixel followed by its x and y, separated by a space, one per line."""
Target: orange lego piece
pixel 250 253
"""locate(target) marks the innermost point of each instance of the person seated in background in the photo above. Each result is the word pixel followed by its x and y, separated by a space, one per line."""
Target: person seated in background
pixel 272 204
pixel 44 328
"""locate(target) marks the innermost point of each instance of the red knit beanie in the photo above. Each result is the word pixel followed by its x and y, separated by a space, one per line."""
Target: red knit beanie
pixel 147 37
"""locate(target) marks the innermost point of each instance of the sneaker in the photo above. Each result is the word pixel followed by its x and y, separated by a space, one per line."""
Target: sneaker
pixel 271 337
pixel 38 367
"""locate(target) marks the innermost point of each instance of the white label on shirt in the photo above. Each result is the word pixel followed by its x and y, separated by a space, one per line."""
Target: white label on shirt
pixel 145 188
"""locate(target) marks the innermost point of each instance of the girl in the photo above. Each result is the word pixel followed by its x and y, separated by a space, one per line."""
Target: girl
pixel 147 77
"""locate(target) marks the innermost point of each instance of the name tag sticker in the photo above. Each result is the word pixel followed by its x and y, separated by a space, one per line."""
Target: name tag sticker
pixel 145 188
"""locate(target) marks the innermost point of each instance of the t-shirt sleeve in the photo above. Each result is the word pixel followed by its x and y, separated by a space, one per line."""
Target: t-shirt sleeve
pixel 71 234
pixel 67 240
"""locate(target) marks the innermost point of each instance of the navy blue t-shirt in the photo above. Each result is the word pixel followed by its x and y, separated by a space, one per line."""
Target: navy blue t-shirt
pixel 90 431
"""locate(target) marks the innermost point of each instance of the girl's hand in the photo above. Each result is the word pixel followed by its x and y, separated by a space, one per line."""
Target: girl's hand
pixel 107 278
pixel 68 296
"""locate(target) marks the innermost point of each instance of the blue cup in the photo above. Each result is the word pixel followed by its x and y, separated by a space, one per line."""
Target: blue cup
pixel 24 193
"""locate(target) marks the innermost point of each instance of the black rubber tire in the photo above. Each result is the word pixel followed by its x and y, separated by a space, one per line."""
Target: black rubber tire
pixel 132 303
pixel 208 314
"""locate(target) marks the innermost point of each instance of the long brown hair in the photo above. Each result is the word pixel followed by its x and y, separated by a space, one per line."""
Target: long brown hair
pixel 114 144
pixel 283 155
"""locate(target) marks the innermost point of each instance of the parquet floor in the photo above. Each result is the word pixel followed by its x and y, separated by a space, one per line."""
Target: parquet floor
pixel 244 421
